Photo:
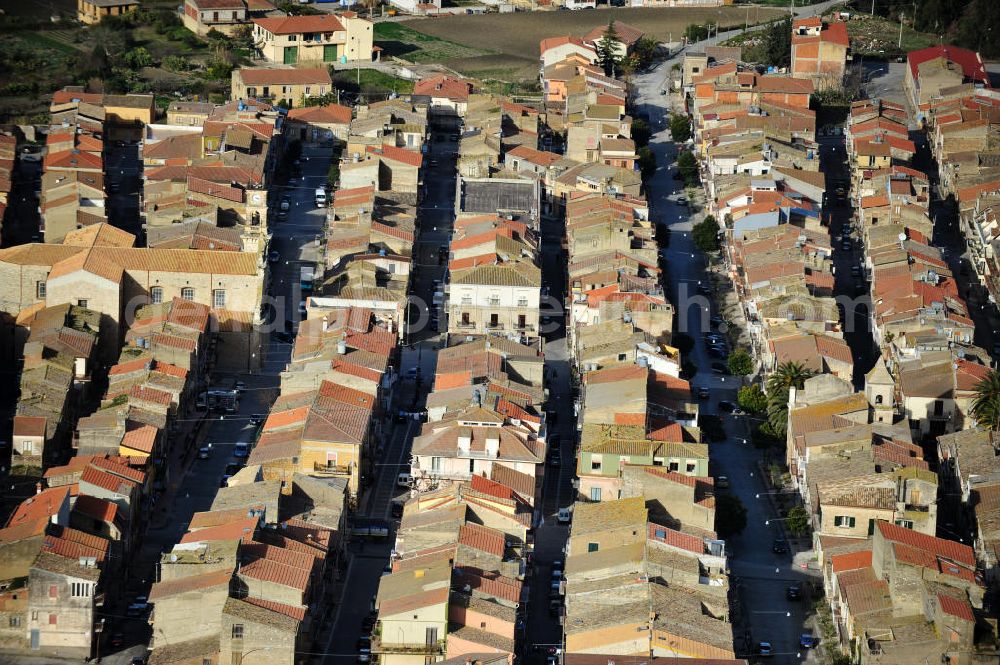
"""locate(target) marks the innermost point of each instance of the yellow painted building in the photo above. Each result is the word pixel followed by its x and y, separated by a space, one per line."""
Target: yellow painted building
pixel 92 11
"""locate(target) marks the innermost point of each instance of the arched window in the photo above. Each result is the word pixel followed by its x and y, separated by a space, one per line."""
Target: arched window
pixel 878 399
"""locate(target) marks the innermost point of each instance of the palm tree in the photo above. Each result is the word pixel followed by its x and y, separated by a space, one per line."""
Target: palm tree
pixel 986 406
pixel 788 375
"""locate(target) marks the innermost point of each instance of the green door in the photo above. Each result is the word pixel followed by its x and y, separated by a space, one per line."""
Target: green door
pixel 330 53
pixel 291 55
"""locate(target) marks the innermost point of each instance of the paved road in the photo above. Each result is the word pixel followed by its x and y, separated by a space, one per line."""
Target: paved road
pixel 761 575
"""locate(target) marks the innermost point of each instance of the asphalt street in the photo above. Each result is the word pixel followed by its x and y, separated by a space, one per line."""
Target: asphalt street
pixel 760 576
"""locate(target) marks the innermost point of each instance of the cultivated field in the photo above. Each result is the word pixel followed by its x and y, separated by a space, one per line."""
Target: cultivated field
pixel 512 39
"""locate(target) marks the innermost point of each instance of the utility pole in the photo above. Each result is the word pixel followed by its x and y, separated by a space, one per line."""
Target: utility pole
pixel 900 44
pixel 873 7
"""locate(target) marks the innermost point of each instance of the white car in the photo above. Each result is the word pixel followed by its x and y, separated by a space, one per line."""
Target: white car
pixel 564 516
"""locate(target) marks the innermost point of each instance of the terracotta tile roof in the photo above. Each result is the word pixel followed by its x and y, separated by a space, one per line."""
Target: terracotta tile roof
pixel 40 506
pixel 627 34
pixel 442 85
pixel 266 76
pixel 293 25
pixel 29 426
pixel 937 546
pixel 521 483
pixel 684 541
pixel 408 157
pixel 96 508
pixel 140 437
pixel 108 481
pixel 346 395
pixel 166 589
pixel 119 467
pixel 493 488
pixel 552 42
pixel 491 584
pixel 330 113
pixel 150 395
pixel 970 62
pixel 277 573
pixel 961 609
pixel 297 613
pixel 236 530
pixel 482 538
pixel 73 544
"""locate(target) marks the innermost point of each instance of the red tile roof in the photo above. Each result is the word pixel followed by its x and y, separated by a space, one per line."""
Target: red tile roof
pixel 297 613
pixel 409 157
pixel 236 530
pixel 937 546
pixel 169 588
pixel 851 560
pixel 684 541
pixel 330 113
pixel 263 76
pixel 482 538
pixel 42 506
pixel 961 609
pixel 108 481
pixel 294 25
pixel 970 62
pixel 277 573
pixel 443 86
pixel 29 426
pixel 96 508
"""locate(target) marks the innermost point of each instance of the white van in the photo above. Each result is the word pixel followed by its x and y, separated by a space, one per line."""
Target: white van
pixel 404 480
pixel 320 197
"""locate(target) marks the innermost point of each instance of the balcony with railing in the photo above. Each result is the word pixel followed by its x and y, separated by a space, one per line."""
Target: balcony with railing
pixel 332 471
pixel 415 648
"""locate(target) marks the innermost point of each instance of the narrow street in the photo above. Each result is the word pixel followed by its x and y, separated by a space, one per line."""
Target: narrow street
pixel 759 577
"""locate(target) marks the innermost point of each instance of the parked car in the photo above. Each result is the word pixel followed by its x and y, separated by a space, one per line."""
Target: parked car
pixel 273 256
pixel 779 546
pixel 727 406
pixel 404 480
pixel 564 516
pixel 717 352
pixel 682 200
pixel 286 203
pixel 555 459
pixel 722 482
pixel 703 393
pixel 554 606
pixel 241 451
pixel 794 592
pixel 204 452
pixel 720 368
pixel 233 468
pixel 764 649
pixel 808 641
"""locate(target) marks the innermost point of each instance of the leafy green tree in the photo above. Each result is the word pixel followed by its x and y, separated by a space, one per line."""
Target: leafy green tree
pixel 740 363
pixel 778 40
pixel 752 398
pixel 687 166
pixel 647 162
pixel 644 51
pixel 986 405
pixel 641 132
pixel 798 521
pixel 607 50
pixel 695 32
pixel 680 128
pixel 706 234
pixel 730 515
pixel 175 63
